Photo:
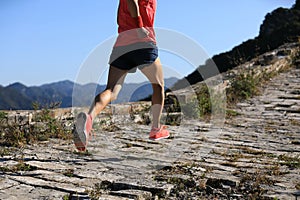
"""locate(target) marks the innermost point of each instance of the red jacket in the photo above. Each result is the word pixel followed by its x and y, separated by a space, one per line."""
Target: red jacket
pixel 128 25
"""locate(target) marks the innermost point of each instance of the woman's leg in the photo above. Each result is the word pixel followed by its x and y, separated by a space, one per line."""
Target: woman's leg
pixel 115 81
pixel 154 73
pixel 84 122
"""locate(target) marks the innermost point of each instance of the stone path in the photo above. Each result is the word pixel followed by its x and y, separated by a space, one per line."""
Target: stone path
pixel 256 154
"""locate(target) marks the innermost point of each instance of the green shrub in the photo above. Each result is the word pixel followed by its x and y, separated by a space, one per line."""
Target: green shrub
pixel 204 101
pixel 243 86
pixel 45 126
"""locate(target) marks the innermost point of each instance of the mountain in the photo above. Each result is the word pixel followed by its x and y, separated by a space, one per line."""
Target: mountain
pixel 17 86
pixel 17 96
pixel 19 100
pixel 279 27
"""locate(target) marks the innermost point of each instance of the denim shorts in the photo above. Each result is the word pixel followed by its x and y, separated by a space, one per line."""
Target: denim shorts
pixel 133 56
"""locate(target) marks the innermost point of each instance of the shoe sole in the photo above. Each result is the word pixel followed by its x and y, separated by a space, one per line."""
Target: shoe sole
pixel 79 133
pixel 156 139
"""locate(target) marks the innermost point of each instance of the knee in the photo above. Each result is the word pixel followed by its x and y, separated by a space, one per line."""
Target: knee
pixel 113 94
pixel 159 87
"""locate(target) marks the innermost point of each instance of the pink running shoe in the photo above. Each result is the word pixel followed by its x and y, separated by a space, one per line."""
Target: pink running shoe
pixel 82 132
pixel 159 133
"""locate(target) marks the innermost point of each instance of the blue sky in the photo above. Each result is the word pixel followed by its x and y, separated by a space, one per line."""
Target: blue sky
pixel 45 41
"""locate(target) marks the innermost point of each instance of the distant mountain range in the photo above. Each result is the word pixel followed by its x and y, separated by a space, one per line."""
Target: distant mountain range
pixel 17 96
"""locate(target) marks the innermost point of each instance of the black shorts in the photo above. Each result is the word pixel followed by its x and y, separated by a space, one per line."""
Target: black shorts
pixel 133 56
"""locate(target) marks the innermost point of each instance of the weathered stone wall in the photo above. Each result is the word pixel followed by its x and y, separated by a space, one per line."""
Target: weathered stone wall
pixel 270 62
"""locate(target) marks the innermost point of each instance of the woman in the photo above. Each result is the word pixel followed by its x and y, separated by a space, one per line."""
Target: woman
pixel 135 48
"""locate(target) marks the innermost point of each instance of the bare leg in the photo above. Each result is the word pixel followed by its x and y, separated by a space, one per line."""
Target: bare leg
pixel 114 84
pixel 154 73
